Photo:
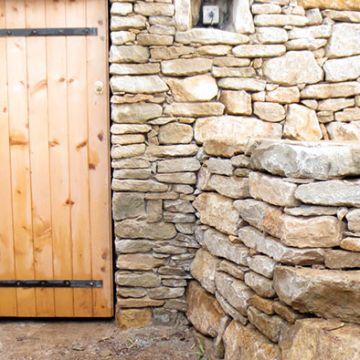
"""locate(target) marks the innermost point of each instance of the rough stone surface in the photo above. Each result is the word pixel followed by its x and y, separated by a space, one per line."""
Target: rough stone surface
pixel 288 69
pixel 248 344
pixel 321 339
pixel 344 41
pixel 203 311
pixel 331 294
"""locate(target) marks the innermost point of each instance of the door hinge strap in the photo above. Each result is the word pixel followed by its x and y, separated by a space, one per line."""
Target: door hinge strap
pixel 51 284
pixel 78 31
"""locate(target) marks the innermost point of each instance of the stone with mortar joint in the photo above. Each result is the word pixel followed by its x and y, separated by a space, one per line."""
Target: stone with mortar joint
pixel 133 229
pixel 203 269
pixel 259 284
pixel 235 292
pixel 270 326
pixel 247 342
pixel 195 88
pixel 212 208
pixel 331 294
pixel 273 190
pixel 273 248
pixel 320 161
pixel 287 69
pixel 219 245
pixel 203 311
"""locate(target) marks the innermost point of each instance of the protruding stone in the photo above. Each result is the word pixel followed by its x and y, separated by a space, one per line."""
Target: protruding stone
pixel 138 84
pixel 344 40
pixel 236 102
pixel 212 207
pixel 321 340
pixel 331 294
pixel 269 111
pixel 326 91
pixel 203 311
pixel 248 343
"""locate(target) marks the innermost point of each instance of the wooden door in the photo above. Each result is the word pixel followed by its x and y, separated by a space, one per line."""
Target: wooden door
pixel 55 221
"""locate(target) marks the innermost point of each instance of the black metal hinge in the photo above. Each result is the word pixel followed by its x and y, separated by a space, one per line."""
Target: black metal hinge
pixel 51 284
pixel 78 31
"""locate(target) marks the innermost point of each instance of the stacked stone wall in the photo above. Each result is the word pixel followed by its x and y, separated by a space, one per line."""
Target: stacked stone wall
pixel 277 273
pixel 180 95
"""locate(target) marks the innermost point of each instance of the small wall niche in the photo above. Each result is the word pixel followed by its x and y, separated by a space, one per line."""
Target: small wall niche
pixel 232 15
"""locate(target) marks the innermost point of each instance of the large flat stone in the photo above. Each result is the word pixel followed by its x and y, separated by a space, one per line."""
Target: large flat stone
pixel 195 88
pixel 138 84
pixel 234 131
pixel 332 4
pixel 321 339
pixel 246 343
pixel 230 186
pixel 219 245
pixel 253 51
pixel 331 294
pixel 194 109
pixel 321 161
pixel 134 229
pixel 213 207
pixel 282 70
pixel 273 190
pixel 186 67
pixel 331 193
pixel 320 231
pixel 344 40
pixel 210 36
pixel 128 205
pixel 135 113
pixel 273 248
pixel 203 310
pixel 178 165
pixel 342 69
pixel 327 91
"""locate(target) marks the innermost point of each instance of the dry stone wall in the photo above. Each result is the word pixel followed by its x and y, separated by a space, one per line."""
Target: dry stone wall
pixel 277 275
pixel 185 102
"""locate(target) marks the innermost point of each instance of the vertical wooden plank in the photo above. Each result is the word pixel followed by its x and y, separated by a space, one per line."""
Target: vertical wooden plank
pixel 78 155
pixel 39 156
pixel 100 214
pixel 59 158
pixel 8 303
pixel 20 162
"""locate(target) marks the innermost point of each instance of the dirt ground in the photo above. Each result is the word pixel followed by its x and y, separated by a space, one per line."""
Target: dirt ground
pixel 84 340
